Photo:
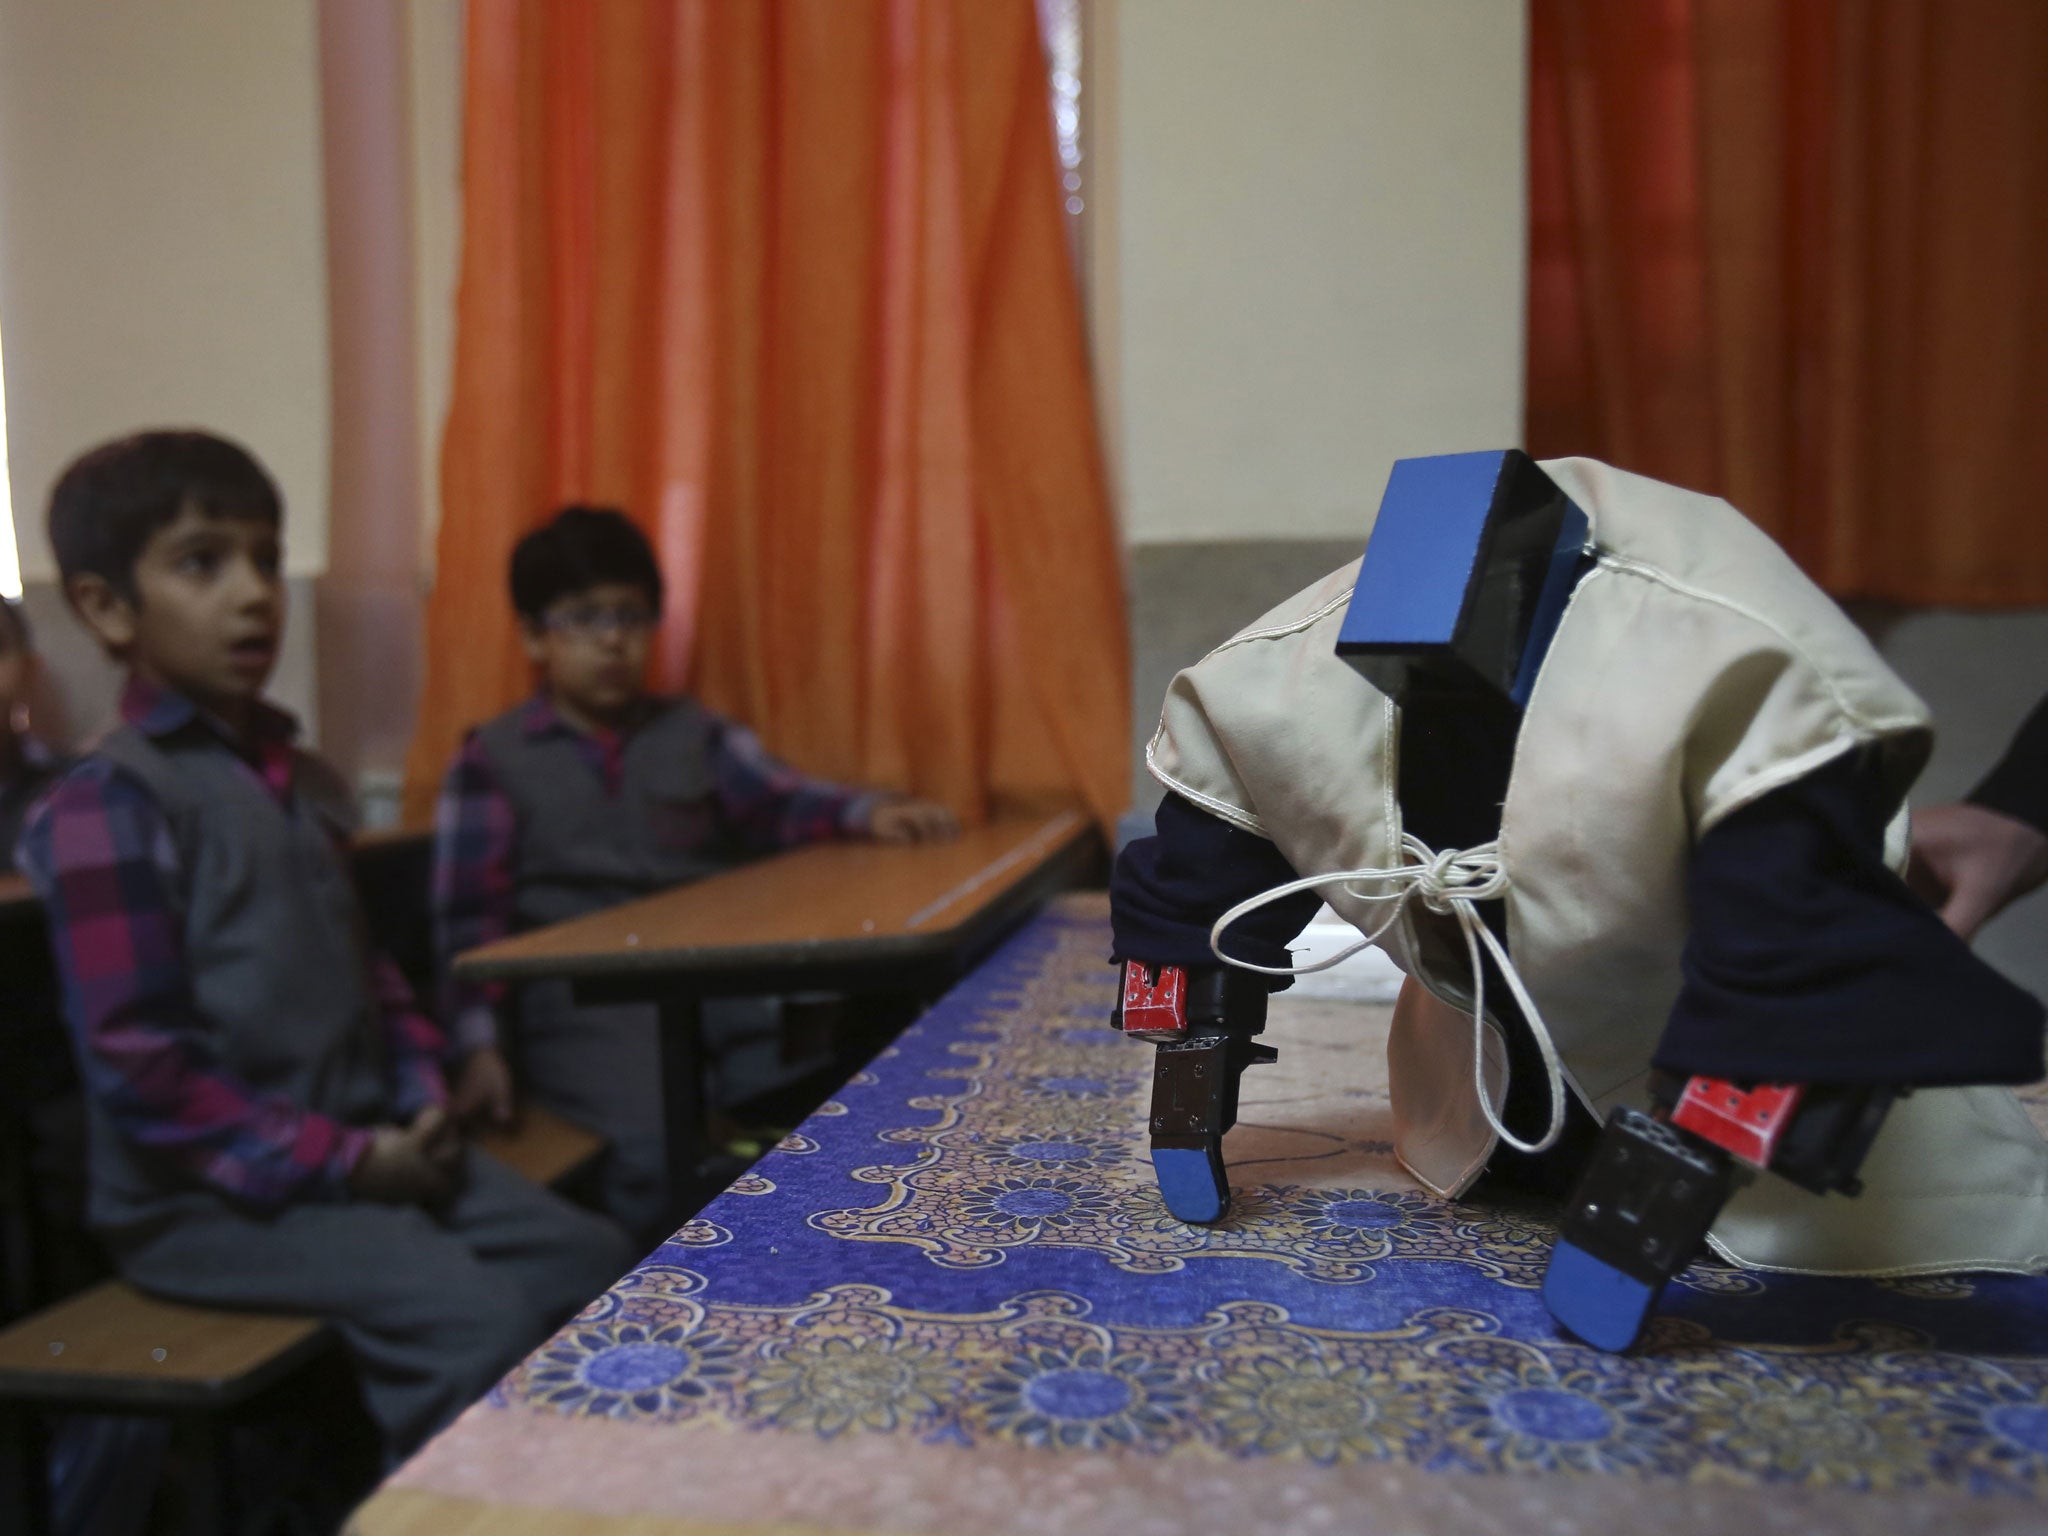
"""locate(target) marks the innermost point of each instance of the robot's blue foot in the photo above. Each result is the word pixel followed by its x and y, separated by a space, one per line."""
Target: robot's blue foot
pixel 1636 1219
pixel 1192 1182
pixel 1596 1301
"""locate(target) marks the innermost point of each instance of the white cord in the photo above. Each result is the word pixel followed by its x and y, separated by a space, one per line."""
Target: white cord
pixel 1449 883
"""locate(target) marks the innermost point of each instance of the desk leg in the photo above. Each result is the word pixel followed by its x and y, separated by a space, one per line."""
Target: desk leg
pixel 24 1470
pixel 208 1483
pixel 682 1097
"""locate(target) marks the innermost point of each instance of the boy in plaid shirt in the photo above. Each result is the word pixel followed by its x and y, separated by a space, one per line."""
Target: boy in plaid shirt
pixel 268 1115
pixel 591 793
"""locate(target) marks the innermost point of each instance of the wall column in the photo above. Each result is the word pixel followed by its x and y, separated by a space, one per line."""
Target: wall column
pixel 369 600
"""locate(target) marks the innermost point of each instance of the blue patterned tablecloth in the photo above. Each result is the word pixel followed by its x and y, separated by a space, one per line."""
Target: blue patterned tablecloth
pixel 964 1252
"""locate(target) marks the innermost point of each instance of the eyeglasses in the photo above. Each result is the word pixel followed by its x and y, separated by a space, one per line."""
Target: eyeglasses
pixel 589 621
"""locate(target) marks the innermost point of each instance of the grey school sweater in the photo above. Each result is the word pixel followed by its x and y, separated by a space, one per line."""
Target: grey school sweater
pixel 274 945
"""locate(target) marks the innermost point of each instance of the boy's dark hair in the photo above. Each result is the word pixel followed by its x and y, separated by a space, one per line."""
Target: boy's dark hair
pixel 17 615
pixel 582 547
pixel 111 499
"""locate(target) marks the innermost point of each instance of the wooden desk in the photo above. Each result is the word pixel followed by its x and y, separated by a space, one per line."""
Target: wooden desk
pixel 17 900
pixel 839 916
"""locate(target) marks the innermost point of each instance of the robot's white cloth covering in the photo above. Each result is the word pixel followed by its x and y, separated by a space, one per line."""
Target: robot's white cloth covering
pixel 1695 670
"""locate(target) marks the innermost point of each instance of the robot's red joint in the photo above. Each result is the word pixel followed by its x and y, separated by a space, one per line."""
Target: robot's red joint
pixel 1154 1005
pixel 1747 1122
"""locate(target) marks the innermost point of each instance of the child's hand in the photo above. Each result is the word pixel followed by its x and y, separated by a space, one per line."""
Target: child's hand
pixel 911 821
pixel 440 1136
pixel 409 1165
pixel 483 1089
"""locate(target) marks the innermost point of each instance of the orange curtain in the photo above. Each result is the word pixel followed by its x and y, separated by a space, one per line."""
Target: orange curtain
pixel 1796 252
pixel 789 282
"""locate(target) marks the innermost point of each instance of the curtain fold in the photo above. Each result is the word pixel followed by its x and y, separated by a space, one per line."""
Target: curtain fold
pixel 788 281
pixel 1791 251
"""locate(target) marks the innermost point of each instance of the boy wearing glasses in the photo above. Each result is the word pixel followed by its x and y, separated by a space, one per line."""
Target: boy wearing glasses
pixel 591 793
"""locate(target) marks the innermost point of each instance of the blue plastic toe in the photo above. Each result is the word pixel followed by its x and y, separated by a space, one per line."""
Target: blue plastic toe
pixel 1191 1184
pixel 1596 1301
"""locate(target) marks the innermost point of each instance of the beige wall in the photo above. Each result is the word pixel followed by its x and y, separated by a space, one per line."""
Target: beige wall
pixel 160 238
pixel 1307 254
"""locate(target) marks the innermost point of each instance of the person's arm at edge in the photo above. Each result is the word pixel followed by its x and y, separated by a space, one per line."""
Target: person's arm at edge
pixel 1973 859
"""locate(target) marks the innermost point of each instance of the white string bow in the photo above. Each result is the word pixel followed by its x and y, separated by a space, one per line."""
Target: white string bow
pixel 1450 883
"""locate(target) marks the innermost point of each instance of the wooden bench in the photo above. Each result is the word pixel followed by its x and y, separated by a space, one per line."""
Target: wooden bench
pixel 544 1148
pixel 112 1349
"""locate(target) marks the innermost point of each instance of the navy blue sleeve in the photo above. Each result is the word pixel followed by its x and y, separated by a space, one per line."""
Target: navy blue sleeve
pixel 2018 785
pixel 1168 890
pixel 1809 960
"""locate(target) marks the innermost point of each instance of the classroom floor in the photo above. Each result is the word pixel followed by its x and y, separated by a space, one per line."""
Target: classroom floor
pixel 951 1302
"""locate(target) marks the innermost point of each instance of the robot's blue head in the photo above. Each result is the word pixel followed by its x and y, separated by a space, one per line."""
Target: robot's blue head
pixel 1465 577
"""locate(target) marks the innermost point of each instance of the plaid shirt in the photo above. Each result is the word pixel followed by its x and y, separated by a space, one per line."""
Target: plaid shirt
pixel 99 853
pixel 763 806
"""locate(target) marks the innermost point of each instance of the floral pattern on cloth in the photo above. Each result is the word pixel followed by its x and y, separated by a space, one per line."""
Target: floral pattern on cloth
pixel 1012 1282
pixel 1044 1145
pixel 1875 1407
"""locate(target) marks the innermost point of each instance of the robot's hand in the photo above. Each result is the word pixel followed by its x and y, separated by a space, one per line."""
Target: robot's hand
pixel 1202 1020
pixel 1654 1187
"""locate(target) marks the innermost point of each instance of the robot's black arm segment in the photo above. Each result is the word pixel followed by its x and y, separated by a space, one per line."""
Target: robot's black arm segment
pixel 1166 892
pixel 1655 1184
pixel 1203 1020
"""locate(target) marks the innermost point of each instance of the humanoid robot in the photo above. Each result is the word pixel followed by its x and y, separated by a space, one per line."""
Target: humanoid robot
pixel 1624 795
